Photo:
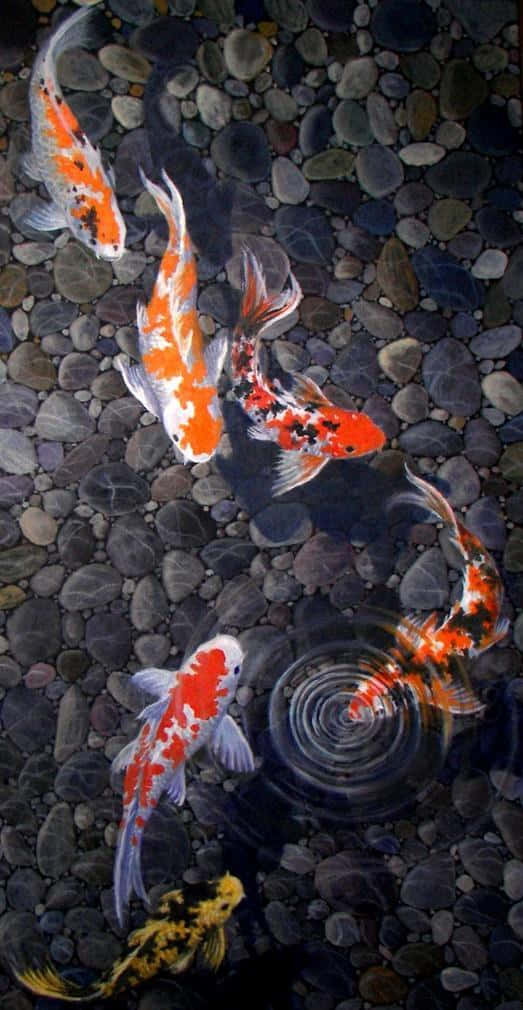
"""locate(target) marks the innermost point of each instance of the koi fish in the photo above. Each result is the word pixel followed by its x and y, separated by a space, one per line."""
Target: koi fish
pixel 190 712
pixel 186 921
pixel 177 378
pixel 308 428
pixel 65 160
pixel 473 625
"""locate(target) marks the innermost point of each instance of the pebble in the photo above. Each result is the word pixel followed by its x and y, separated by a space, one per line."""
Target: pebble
pixel 425 584
pixel 55 845
pixel 78 275
pixel 503 391
pixel 184 524
pixel 289 14
pixel 379 170
pixel 125 63
pixel 400 359
pixel 214 106
pixel 446 280
pixel 128 111
pixel 315 130
pixel 27 716
pixel 457 979
pixel 358 78
pixel 396 276
pixel 288 183
pixel 351 124
pixel 113 488
pixel 91 585
pixel 351 881
pixel 38 527
pixel 17 452
pixel 451 377
pixel 403 25
pixel 240 602
pixel 461 174
pixel 305 234
pixel 246 53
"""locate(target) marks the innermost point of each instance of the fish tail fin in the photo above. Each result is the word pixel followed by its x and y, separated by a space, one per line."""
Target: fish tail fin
pixel 171 206
pixel 45 981
pixel 73 31
pixel 434 502
pixel 258 309
pixel 127 875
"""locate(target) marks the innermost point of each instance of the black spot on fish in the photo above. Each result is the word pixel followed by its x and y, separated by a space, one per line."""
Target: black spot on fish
pixel 349 448
pixel 79 136
pixel 59 100
pixel 331 425
pixel 79 164
pixel 90 220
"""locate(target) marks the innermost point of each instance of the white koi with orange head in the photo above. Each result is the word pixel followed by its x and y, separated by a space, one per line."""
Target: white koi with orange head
pixel 177 377
pixel 65 160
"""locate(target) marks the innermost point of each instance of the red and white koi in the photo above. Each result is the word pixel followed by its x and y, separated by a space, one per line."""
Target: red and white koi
pixel 308 428
pixel 64 159
pixel 176 379
pixel 432 649
pixel 191 711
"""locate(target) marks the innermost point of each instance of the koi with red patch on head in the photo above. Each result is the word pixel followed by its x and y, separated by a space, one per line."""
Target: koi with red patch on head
pixel 473 624
pixel 64 159
pixel 176 379
pixel 190 711
pixel 308 428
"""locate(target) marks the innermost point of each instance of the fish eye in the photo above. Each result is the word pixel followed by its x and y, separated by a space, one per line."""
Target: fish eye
pixel 236 671
pixel 224 906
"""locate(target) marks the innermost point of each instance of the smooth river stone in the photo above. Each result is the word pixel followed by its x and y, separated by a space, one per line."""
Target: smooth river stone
pixel 114 489
pixel 504 392
pixel 421 114
pixel 447 217
pixel 461 174
pixel 483 19
pixel 79 276
pixel 396 276
pixel 305 234
pixel 379 170
pixel 462 89
pixel 246 54
pixel 451 377
pixel 62 418
pixel 403 25
pixel 125 63
pixel 446 280
pixel 241 150
pixel 400 359
pixel 358 78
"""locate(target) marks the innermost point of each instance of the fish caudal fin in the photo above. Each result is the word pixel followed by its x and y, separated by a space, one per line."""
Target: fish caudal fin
pixel 455 698
pixel 258 309
pixel 73 31
pixel 295 468
pixel 127 874
pixel 45 981
pixel 170 205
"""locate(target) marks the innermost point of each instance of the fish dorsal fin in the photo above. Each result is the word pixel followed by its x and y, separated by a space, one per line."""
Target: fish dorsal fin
pixel 213 949
pixel 295 468
pixel 307 392
pixel 154 681
pixel 458 699
pixel 231 748
pixel 214 356
pixel 154 712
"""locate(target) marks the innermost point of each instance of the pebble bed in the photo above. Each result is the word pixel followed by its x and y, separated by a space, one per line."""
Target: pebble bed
pixel 374 148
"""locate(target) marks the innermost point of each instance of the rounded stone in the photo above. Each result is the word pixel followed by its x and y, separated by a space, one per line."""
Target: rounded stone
pixel 113 488
pixel 133 546
pixel 81 70
pixel 37 526
pixel 451 377
pixel 214 106
pixel 403 25
pixel 379 170
pixel 13 286
pixel 503 391
pixel 79 275
pixel 351 123
pixel 288 183
pixel 381 119
pixel 90 586
pixel 462 89
pixel 17 452
pixel 181 574
pixel 246 53
pixel 128 111
pixel 396 276
pixel 34 631
pixel 281 106
pixel 305 234
pixel 447 217
pixel 241 150
pixel 108 639
pixel 125 63
pixel 400 359
pixel 358 78
pixel 62 418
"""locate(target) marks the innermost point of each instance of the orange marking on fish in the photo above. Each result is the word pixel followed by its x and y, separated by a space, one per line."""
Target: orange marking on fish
pixel 150 773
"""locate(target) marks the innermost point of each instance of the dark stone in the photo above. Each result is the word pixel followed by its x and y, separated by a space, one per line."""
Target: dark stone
pixel 482 907
pixel 80 460
pixel 51 317
pixel 482 445
pixel 403 25
pixel 93 112
pixel 133 546
pixel 28 719
pixel 497 228
pixel 287 66
pixel 461 174
pixel 167 38
pixel 228 556
pixel 431 884
pixel 91 586
pixel 340 197
pixel 18 405
pixel 84 776
pixel 189 615
pixel 34 631
pixel 356 368
pixel 451 377
pixel 315 130
pixel 184 524
pixel 490 131
pixel 241 150
pixel 376 216
pixel 114 489
pixel 425 326
pixel 446 280
pixel 355 881
pixel 240 602
pixel 108 639
pixel 76 542
pixel 431 438
pixel 305 234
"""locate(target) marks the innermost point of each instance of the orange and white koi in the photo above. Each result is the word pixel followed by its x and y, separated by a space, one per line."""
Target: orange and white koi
pixel 308 428
pixel 65 160
pixel 177 377
pixel 191 711
pixel 434 648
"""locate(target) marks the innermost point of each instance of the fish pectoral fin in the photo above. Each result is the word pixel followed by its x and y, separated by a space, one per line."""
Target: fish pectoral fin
pixel 154 681
pixel 124 757
pixel 45 217
pixel 458 699
pixel 258 432
pixel 175 788
pixel 181 963
pixel 151 713
pixel 214 947
pixel 306 391
pixel 138 384
pixel 295 468
pixel 497 634
pixel 231 748
pixel 30 167
pixel 214 356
